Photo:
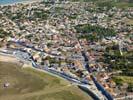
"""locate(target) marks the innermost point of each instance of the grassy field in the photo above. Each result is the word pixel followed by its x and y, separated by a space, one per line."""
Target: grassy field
pixel 111 3
pixel 29 84
pixel 123 79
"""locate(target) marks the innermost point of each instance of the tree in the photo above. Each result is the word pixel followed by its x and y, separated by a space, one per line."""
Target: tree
pixel 130 88
pixel 87 31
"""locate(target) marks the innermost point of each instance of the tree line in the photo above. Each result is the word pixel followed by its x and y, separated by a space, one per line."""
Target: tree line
pixel 94 32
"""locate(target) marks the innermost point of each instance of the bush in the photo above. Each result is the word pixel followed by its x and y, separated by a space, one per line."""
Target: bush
pixel 98 32
pixel 3 33
pixel 130 88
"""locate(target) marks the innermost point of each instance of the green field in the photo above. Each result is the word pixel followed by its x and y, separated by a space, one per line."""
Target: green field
pixel 29 84
pixel 123 79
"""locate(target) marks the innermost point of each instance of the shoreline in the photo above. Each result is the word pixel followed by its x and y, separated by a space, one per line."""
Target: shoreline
pixel 21 2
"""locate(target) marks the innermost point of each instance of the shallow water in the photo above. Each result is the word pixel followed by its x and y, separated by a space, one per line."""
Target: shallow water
pixel 10 1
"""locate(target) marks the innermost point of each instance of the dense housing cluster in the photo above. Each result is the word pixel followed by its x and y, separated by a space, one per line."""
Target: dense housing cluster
pixel 56 34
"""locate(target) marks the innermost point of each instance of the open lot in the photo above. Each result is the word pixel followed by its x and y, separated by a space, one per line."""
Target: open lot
pixel 129 21
pixel 29 84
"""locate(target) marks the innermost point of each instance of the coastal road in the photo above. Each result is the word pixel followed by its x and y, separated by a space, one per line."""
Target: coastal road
pixel 63 75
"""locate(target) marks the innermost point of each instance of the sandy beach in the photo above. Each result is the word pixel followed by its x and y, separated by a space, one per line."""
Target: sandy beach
pixel 8 58
pixel 22 2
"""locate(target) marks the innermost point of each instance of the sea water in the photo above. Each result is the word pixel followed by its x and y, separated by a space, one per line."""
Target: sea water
pixel 2 2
